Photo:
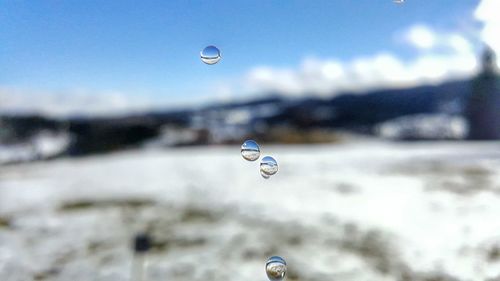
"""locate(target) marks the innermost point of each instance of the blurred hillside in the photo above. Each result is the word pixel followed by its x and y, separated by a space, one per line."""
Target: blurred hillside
pixel 427 112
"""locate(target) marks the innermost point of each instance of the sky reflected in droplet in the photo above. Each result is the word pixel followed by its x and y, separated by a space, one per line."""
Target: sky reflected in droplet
pixel 250 150
pixel 210 55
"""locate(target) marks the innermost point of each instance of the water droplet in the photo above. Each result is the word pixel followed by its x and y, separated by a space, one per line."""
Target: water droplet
pixel 268 166
pixel 276 268
pixel 250 150
pixel 210 55
pixel 399 1
pixel 264 175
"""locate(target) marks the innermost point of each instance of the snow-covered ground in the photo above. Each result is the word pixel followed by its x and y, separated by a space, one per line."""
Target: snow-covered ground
pixel 363 211
pixel 43 145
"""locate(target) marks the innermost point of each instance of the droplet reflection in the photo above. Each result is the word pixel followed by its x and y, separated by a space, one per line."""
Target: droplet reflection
pixel 210 55
pixel 250 150
pixel 276 268
pixel 264 175
pixel 268 166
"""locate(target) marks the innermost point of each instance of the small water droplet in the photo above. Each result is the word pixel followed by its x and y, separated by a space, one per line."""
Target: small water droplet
pixel 264 175
pixel 268 166
pixel 210 55
pixel 276 268
pixel 250 150
pixel 399 1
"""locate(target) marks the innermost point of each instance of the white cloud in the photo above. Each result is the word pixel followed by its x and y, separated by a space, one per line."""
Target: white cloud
pixel 440 55
pixel 77 101
pixel 329 76
pixel 487 13
pixel 458 43
pixel 421 37
pixel 425 38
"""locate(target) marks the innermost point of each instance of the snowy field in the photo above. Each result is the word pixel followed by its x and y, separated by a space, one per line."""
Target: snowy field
pixel 364 211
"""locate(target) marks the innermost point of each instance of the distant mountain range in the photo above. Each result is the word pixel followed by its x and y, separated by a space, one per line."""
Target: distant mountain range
pixel 219 123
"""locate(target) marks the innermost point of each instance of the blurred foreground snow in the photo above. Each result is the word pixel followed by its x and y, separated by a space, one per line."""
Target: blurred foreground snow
pixel 365 211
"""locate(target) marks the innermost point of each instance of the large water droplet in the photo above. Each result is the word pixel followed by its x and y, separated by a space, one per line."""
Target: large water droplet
pixel 250 150
pixel 210 55
pixel 268 166
pixel 276 268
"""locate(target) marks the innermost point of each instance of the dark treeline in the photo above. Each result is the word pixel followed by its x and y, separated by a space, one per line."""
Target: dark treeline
pixel 358 112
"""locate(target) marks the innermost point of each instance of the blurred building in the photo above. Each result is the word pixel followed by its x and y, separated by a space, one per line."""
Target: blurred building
pixel 483 105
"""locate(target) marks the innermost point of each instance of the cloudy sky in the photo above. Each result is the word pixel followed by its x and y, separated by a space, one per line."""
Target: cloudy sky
pixel 62 57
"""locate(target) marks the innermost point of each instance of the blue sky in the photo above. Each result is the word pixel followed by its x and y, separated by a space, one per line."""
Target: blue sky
pixel 152 47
